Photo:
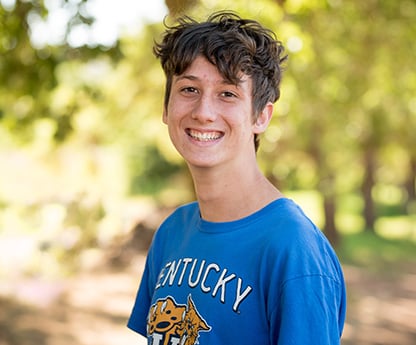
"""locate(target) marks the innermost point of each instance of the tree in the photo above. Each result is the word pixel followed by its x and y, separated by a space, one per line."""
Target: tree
pixel 28 73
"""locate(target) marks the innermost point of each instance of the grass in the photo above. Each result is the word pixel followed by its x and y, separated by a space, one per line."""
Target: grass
pixel 376 252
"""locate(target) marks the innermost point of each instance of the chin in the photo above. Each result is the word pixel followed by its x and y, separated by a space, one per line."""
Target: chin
pixel 201 164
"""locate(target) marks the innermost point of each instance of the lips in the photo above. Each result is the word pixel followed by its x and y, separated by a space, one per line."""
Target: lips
pixel 204 136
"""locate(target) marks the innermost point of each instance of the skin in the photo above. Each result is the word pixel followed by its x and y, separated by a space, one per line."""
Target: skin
pixel 210 122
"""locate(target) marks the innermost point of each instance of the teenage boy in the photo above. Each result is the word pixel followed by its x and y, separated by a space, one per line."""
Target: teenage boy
pixel 242 264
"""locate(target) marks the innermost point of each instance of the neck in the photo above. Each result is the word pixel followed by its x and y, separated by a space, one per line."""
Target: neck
pixel 226 197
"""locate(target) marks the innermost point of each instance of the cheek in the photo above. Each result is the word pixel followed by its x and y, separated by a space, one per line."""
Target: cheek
pixel 173 123
pixel 165 116
pixel 173 111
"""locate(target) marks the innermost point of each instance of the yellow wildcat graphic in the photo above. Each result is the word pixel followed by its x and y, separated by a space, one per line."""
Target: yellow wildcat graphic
pixel 192 324
pixel 171 324
pixel 165 317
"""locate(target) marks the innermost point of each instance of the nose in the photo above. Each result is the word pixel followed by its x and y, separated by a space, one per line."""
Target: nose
pixel 205 110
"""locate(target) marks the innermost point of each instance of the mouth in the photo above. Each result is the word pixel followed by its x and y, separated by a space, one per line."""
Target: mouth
pixel 205 136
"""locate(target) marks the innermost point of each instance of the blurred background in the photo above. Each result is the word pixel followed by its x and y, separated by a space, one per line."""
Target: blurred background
pixel 87 171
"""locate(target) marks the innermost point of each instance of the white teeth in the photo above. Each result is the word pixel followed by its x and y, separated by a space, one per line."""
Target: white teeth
pixel 206 136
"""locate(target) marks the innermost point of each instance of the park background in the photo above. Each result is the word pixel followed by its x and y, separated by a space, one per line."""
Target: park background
pixel 87 171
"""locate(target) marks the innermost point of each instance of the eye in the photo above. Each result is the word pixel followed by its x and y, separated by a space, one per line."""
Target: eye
pixel 189 89
pixel 228 94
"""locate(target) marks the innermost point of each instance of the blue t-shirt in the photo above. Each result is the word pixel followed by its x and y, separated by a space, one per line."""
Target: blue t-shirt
pixel 269 278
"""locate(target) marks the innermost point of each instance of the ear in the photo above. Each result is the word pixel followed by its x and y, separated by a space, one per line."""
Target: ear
pixel 263 119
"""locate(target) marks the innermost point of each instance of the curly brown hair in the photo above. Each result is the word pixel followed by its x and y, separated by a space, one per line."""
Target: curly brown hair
pixel 234 45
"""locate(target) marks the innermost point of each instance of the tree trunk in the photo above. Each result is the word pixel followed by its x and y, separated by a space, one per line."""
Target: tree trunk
pixel 410 184
pixel 326 188
pixel 330 228
pixel 177 7
pixel 367 188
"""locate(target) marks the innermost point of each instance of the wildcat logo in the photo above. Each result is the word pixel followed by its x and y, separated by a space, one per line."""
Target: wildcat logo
pixel 170 323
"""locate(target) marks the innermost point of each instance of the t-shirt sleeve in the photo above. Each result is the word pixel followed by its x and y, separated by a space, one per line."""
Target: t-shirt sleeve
pixel 311 311
pixel 138 317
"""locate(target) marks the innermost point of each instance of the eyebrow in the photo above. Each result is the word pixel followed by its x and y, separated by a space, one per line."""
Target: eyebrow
pixel 223 81
pixel 186 76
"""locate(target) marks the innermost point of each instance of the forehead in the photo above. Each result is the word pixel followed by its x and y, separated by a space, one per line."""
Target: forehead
pixel 201 69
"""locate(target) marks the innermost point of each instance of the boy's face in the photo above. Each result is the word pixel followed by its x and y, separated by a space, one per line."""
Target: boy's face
pixel 210 121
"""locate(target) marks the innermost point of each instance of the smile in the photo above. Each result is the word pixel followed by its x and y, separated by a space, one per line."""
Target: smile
pixel 204 136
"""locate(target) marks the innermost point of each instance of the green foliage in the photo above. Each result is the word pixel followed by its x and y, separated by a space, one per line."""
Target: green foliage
pixel 28 73
pixel 151 172
pixel 91 115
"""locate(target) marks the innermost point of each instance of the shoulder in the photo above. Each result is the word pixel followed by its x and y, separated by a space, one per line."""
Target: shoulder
pixel 181 214
pixel 298 245
pixel 287 221
pixel 172 230
pixel 177 221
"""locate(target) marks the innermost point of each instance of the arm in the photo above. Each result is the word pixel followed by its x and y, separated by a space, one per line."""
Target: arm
pixel 311 310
